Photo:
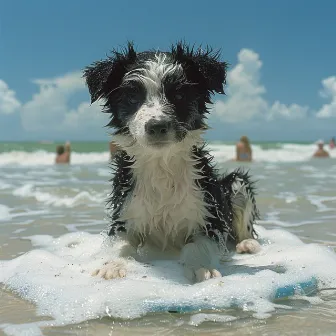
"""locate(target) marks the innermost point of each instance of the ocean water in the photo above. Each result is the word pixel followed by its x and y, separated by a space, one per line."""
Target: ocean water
pixel 51 218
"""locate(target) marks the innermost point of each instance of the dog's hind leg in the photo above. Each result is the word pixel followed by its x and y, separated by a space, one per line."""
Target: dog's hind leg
pixel 200 259
pixel 245 212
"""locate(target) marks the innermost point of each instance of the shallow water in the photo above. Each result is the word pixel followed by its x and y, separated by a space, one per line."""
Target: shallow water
pixel 298 197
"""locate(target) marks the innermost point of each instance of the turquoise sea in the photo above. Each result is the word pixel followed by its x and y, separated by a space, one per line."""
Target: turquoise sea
pixel 51 218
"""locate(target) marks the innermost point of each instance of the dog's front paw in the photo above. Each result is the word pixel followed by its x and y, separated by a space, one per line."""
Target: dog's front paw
pixel 205 274
pixel 248 246
pixel 111 270
pixel 201 274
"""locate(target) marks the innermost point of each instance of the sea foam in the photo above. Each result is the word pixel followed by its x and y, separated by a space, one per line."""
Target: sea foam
pixel 56 277
pixel 222 152
pixel 44 158
pixel 83 197
pixel 4 213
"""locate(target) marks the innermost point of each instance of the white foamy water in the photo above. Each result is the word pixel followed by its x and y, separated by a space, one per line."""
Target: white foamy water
pixel 4 212
pixel 56 277
pixel 284 153
pixel 41 157
pixel 82 197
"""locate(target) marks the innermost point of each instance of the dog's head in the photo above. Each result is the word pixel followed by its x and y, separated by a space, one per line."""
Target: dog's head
pixel 157 98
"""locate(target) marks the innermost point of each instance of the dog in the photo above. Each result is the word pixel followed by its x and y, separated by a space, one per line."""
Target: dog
pixel 166 190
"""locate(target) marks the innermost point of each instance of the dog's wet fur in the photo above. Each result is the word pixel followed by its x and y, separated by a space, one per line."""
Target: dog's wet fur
pixel 166 191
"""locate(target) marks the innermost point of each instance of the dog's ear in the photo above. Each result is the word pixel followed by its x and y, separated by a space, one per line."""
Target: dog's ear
pixel 201 66
pixel 103 77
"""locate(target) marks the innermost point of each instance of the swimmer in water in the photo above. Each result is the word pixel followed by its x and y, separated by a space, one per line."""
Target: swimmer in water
pixel 321 152
pixel 63 153
pixel 244 150
pixel 113 149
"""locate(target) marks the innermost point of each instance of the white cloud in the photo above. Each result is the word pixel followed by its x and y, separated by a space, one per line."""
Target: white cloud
pixel 245 95
pixel 291 112
pixel 8 101
pixel 59 108
pixel 50 108
pixel 328 91
pixel 84 114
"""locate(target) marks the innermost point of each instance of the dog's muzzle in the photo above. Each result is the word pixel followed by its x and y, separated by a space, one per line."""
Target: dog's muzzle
pixel 159 131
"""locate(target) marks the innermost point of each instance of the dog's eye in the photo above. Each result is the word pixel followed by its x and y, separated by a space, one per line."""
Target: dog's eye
pixel 133 100
pixel 178 96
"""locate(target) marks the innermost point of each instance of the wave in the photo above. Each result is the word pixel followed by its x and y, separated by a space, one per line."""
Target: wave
pixel 83 197
pixel 42 157
pixel 284 153
pixel 4 213
pixel 280 153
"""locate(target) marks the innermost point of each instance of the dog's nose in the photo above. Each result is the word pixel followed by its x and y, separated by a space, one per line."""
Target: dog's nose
pixel 157 127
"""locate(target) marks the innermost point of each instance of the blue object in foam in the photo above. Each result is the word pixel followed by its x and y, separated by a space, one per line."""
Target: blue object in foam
pixel 307 288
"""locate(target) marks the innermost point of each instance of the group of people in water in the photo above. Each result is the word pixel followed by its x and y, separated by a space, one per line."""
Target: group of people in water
pixel 63 152
pixel 243 150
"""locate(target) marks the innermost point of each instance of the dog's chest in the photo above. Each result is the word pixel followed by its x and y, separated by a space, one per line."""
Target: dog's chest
pixel 166 206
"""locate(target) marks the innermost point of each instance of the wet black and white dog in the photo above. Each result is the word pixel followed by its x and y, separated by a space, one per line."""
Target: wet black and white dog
pixel 166 190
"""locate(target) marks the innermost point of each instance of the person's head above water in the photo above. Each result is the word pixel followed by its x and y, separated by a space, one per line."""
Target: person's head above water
pixel 60 150
pixel 244 139
pixel 320 143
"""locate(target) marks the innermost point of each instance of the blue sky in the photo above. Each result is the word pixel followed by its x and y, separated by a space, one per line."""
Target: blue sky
pixel 281 82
